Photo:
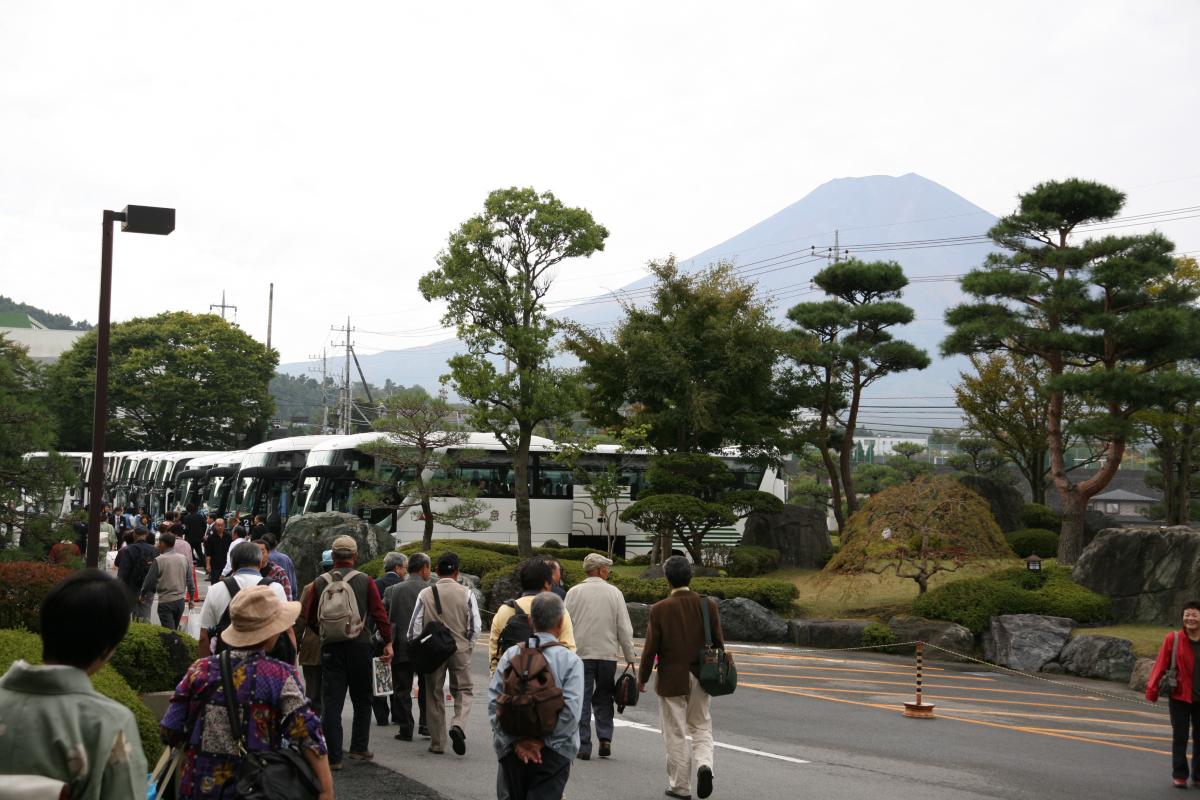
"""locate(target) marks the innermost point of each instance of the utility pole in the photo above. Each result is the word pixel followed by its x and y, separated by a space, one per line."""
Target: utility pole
pixel 837 252
pixel 224 306
pixel 324 389
pixel 346 403
pixel 270 313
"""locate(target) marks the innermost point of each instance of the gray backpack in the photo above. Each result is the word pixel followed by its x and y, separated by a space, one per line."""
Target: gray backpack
pixel 339 618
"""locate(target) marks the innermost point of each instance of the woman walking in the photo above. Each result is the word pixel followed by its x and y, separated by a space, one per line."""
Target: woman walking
pixel 1175 674
pixel 268 693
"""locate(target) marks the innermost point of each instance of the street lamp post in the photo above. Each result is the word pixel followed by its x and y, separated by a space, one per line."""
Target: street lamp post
pixel 134 219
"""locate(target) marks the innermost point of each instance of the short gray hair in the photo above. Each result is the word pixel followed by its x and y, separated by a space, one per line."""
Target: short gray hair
pixel 418 562
pixel 546 611
pixel 678 571
pixel 245 554
pixel 393 560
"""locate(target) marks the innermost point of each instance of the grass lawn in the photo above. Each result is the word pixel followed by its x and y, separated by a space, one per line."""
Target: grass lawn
pixel 1146 638
pixel 865 595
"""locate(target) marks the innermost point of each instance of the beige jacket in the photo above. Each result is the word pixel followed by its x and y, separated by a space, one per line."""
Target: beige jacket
pixel 603 630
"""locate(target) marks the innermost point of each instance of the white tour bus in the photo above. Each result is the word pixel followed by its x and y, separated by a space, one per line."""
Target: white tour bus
pixel 162 477
pixel 268 478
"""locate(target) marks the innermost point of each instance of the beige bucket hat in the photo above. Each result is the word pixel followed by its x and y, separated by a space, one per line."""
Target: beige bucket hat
pixel 257 614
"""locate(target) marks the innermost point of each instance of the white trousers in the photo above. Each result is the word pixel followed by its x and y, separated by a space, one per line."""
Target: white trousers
pixel 684 716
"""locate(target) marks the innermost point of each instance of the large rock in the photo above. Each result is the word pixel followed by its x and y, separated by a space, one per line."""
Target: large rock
pixel 743 620
pixel 1005 500
pixel 1141 674
pixel 1025 642
pixel 800 535
pixel 1149 572
pixel 951 637
pixel 309 535
pixel 828 633
pixel 505 587
pixel 1095 521
pixel 639 615
pixel 1105 657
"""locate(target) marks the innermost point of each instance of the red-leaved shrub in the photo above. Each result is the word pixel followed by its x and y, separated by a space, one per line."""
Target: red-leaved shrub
pixel 23 584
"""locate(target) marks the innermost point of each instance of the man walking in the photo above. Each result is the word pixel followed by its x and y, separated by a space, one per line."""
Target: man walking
pixel 400 600
pixel 675 635
pixel 246 559
pixel 171 577
pixel 538 769
pixel 135 564
pixel 195 525
pixel 603 631
pixel 308 643
pixel 346 662
pixel 216 550
pixel 395 567
pixel 284 562
pixel 453 604
pixel 535 577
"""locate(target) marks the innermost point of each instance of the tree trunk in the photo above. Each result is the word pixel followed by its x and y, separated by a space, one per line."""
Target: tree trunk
pixel 835 485
pixel 694 546
pixel 922 583
pixel 848 446
pixel 1168 466
pixel 1184 501
pixel 427 513
pixel 1070 541
pixel 1035 473
pixel 521 491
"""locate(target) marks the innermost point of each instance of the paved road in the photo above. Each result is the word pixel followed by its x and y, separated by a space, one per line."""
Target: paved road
pixel 826 724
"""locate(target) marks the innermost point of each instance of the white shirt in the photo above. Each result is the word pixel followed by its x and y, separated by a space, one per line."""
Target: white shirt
pixel 217 599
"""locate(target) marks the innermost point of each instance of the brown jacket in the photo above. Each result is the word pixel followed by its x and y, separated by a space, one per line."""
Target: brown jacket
pixel 675 634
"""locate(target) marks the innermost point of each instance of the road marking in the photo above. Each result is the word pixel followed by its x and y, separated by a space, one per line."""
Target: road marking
pixel 843 669
pixel 621 723
pixel 928 685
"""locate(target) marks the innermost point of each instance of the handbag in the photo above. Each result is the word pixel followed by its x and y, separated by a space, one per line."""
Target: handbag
pixel 434 645
pixel 717 674
pixel 1170 679
pixel 625 690
pixel 281 774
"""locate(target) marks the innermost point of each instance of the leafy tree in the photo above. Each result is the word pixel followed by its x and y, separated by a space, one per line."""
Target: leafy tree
pixel 918 530
pixel 852 347
pixel 177 381
pixel 904 460
pixel 416 444
pixel 1099 313
pixel 494 275
pixel 605 487
pixel 689 495
pixel 1173 430
pixel 702 367
pixel 978 457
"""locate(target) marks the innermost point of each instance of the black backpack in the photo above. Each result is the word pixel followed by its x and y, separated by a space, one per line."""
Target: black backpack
pixel 141 565
pixel 434 645
pixel 517 630
pixel 283 650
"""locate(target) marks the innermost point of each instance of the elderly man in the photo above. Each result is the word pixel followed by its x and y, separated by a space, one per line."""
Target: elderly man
pixel 170 577
pixel 395 567
pixel 216 550
pixel 400 600
pixel 603 631
pixel 246 559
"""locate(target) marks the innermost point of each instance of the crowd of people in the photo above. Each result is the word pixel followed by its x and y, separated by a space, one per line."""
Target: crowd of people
pixel 288 657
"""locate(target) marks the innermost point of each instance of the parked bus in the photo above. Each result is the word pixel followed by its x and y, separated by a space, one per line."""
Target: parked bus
pixel 208 481
pixel 268 478
pixel 160 485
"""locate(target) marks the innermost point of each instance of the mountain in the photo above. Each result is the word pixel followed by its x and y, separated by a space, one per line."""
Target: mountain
pixel 58 322
pixel 931 231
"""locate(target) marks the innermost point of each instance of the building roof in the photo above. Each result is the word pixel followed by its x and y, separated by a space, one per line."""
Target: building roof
pixel 42 344
pixel 1119 495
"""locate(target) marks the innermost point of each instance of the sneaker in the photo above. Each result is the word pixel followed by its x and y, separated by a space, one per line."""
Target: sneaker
pixel 605 748
pixel 436 750
pixel 423 731
pixel 366 755
pixel 1179 783
pixel 404 736
pixel 704 778
pixel 458 740
pixel 678 795
pixel 583 755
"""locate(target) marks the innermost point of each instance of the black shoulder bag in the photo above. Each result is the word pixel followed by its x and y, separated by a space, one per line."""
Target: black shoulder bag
pixel 717 675
pixel 434 645
pixel 281 774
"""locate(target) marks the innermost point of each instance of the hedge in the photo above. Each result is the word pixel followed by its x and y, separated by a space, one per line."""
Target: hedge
pixel 1033 540
pixel 1035 515
pixel 108 682
pixel 748 561
pixel 772 594
pixel 974 601
pixel 153 659
pixel 452 544
pixel 472 560
pixel 877 634
pixel 23 584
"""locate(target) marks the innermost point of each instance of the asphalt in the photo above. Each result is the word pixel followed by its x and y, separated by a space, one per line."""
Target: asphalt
pixel 829 724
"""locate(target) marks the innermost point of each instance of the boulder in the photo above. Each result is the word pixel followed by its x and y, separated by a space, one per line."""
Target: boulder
pixel 639 615
pixel 1005 500
pixel 308 535
pixel 466 579
pixel 1025 642
pixel 1141 674
pixel 1095 521
pixel 829 633
pixel 1105 657
pixel 743 620
pixel 505 587
pixel 800 535
pixel 1148 572
pixel 950 636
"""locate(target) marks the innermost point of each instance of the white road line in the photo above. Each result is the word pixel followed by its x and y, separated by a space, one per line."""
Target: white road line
pixel 621 723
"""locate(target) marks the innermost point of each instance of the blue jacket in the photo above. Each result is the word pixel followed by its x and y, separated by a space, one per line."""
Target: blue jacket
pixel 568 673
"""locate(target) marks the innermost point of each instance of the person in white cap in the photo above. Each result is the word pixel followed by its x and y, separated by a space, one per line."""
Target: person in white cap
pixel 603 633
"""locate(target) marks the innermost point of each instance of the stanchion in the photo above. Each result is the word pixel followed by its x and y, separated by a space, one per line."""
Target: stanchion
pixel 919 709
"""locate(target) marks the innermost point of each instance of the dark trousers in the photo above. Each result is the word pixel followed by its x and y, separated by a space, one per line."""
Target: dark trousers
pixel 346 666
pixel 169 614
pixel 598 698
pixel 1185 722
pixel 400 701
pixel 312 686
pixel 544 781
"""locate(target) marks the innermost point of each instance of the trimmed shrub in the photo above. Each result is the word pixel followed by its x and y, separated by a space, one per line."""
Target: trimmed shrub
pixel 639 561
pixel 452 544
pixel 1035 515
pixel 153 659
pixel 108 682
pixel 551 544
pixel 772 594
pixel 1033 540
pixel 23 584
pixel 877 634
pixel 472 560
pixel 571 553
pixel 748 561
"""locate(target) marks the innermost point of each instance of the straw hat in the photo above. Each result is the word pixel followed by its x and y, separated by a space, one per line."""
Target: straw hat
pixel 255 615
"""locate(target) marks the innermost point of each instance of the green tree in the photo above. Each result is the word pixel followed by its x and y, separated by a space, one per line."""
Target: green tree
pixel 177 381
pixel 904 460
pixel 417 442
pixel 493 276
pixel 979 457
pixel 605 487
pixel 852 347
pixel 1096 312
pixel 702 366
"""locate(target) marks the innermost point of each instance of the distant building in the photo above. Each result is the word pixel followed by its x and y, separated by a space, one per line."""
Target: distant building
pixel 1123 504
pixel 44 344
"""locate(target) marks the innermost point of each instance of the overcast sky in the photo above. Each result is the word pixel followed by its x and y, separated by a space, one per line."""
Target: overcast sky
pixel 331 147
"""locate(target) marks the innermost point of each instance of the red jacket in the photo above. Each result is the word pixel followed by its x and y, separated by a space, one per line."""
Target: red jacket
pixel 1184 663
